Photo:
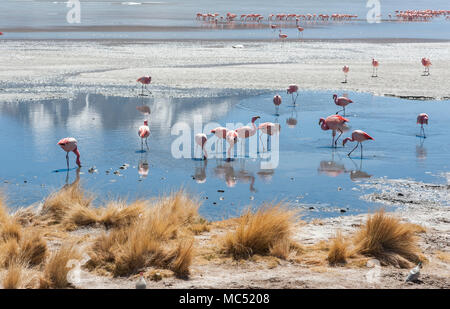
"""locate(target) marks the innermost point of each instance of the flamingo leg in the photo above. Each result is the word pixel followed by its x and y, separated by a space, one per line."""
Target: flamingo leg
pixel 335 142
pixel 146 144
pixel 262 143
pixel 353 150
pixel 268 142
pixel 361 151
pixel 332 141
pixel 67 160
pixel 142 144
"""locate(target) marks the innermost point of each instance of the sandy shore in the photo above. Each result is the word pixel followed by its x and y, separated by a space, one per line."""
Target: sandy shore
pixel 34 70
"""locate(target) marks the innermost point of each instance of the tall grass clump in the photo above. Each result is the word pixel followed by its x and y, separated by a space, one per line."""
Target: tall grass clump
pixel 339 250
pixel 13 277
pixel 57 267
pixel 268 229
pixel 389 240
pixel 150 239
pixel 58 204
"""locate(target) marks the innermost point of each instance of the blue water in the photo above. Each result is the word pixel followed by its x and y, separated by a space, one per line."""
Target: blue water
pixel 310 172
pixel 176 19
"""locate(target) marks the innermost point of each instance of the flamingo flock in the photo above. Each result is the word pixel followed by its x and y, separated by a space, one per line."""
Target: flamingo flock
pixel 335 123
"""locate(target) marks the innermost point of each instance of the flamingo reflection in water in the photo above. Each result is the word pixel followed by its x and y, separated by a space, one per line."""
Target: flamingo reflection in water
pixel 358 173
pixel 227 172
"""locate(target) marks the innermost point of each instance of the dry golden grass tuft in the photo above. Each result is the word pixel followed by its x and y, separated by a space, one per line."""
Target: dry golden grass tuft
pixel 182 258
pixel 10 229
pixel 58 204
pixel 57 267
pixel 33 248
pixel 389 240
pixel 268 229
pixel 118 214
pixel 339 250
pixel 149 239
pixel 13 277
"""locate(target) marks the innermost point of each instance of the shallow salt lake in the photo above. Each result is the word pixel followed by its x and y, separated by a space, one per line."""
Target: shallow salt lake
pixel 309 174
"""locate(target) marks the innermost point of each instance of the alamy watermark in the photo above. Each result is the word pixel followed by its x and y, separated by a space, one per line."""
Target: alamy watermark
pixel 258 145
pixel 74 14
pixel 374 13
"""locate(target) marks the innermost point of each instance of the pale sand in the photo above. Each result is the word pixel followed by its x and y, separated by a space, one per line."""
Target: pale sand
pixel 57 69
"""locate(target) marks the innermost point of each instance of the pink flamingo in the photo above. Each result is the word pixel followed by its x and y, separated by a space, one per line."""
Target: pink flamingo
pixel 291 90
pixel 144 133
pixel 426 63
pixel 334 123
pixel 345 69
pixel 69 144
pixel 277 103
pixel 144 80
pixel 270 129
pixel 200 140
pixel 221 134
pixel 282 35
pixel 357 136
pixel 300 30
pixel 1 33
pixel 247 131
pixel 422 119
pixel 375 65
pixel 341 101
pixel 231 138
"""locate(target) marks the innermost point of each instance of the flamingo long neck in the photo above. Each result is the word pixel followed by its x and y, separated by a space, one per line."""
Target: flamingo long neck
pixel 253 130
pixel 324 126
pixel 348 139
pixel 77 153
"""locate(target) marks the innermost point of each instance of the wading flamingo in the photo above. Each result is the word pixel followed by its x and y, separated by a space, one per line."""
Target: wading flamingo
pixel 200 140
pixel 291 90
pixel 144 80
pixel 334 123
pixel 277 103
pixel 426 63
pixel 270 129
pixel 144 133
pixel 300 30
pixel 282 35
pixel 232 138
pixel 247 131
pixel 345 69
pixel 375 65
pixel 341 101
pixel 69 144
pixel 221 134
pixel 357 136
pixel 422 119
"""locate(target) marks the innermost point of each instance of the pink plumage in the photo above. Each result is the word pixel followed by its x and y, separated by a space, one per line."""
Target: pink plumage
pixel 144 80
pixel 69 144
pixel 277 100
pixel 292 88
pixel 422 119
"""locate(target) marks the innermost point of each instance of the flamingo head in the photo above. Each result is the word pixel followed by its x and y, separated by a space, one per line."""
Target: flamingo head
pixel 334 96
pixel 323 124
pixel 345 141
pixel 255 118
pixel 146 122
pixel 213 131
